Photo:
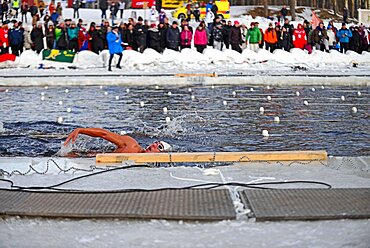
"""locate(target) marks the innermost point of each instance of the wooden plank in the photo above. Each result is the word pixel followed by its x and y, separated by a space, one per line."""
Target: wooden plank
pixel 211 156
pixel 196 75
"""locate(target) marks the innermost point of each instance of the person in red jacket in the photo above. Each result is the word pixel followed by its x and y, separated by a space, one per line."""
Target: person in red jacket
pixel 299 37
pixel 4 38
pixel 200 38
pixel 124 143
pixel 186 37
pixel 83 39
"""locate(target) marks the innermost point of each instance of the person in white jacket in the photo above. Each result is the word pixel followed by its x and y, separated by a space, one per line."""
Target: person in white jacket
pixel 153 15
pixel 209 19
pixel 121 7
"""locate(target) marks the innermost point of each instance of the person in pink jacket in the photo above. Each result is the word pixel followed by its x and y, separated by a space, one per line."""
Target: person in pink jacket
pixel 299 37
pixel 186 37
pixel 200 38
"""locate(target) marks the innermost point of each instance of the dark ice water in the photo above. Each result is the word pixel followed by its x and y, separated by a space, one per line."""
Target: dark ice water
pixel 205 123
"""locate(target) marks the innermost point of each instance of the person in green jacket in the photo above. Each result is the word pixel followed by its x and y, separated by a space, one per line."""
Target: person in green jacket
pixel 61 37
pixel 254 37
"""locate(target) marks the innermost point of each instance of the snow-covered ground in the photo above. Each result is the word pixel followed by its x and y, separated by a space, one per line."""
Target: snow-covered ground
pixel 339 172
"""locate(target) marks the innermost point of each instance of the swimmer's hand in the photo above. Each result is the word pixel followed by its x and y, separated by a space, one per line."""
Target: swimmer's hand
pixel 72 137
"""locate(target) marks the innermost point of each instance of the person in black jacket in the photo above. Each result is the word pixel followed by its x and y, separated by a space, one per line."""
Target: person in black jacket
pixel 103 6
pixel 140 32
pixel 226 32
pixel 355 41
pixel 128 38
pixel 16 39
pixel 173 37
pixel 96 38
pixel 37 37
pixel 162 35
pixel 289 28
pixel 283 13
pixel 236 37
pixel 154 38
pixel 285 41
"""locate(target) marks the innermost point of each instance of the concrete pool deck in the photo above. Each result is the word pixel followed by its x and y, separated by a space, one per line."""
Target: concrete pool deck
pixel 339 172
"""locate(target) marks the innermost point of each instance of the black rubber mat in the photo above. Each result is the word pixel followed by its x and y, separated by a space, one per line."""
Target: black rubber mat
pixel 196 204
pixel 308 204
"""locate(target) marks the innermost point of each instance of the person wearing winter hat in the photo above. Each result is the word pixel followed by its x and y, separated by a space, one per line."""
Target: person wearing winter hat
pixel 115 46
pixel 236 37
pixel 343 35
pixel 37 37
pixel 124 143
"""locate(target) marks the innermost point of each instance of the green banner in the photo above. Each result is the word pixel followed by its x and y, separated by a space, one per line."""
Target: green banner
pixel 58 55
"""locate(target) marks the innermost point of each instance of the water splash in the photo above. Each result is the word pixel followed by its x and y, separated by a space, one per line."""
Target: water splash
pixel 179 126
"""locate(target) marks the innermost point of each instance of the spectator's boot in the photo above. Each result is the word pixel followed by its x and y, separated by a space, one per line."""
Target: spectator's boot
pixel 109 68
pixel 118 66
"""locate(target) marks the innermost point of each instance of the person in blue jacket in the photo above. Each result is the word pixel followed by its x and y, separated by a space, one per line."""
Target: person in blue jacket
pixel 343 35
pixel 115 46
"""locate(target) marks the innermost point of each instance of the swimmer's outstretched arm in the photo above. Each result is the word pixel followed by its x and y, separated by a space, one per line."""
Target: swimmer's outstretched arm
pixel 96 132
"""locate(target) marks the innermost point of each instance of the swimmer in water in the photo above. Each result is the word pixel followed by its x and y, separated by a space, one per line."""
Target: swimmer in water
pixel 124 143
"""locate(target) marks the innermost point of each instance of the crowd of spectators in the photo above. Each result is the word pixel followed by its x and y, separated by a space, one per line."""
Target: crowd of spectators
pixel 49 30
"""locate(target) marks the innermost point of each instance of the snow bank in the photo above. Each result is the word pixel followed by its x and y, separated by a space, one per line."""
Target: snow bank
pixel 187 59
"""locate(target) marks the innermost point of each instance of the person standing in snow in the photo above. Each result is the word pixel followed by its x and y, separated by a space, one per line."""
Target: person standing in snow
pixel 345 15
pixel 283 13
pixel 61 36
pixel 186 37
pixel 115 46
pixel 355 40
pixel 320 37
pixel 153 15
pixel 284 41
pixel 226 33
pixel 332 36
pixel 209 19
pixel 27 38
pixel 254 37
pixel 173 37
pixel 128 38
pixel 162 35
pixel 299 37
pixel 162 16
pixel 16 39
pixel 270 38
pixel 72 34
pixel 50 35
pixel 154 39
pixel 4 38
pixel 24 10
pixel 140 33
pixel 200 38
pixel 41 6
pixel 236 37
pixel 76 7
pixel 37 37
pixel 196 12
pixel 218 39
pixel 121 7
pixel 103 6
pixel 96 38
